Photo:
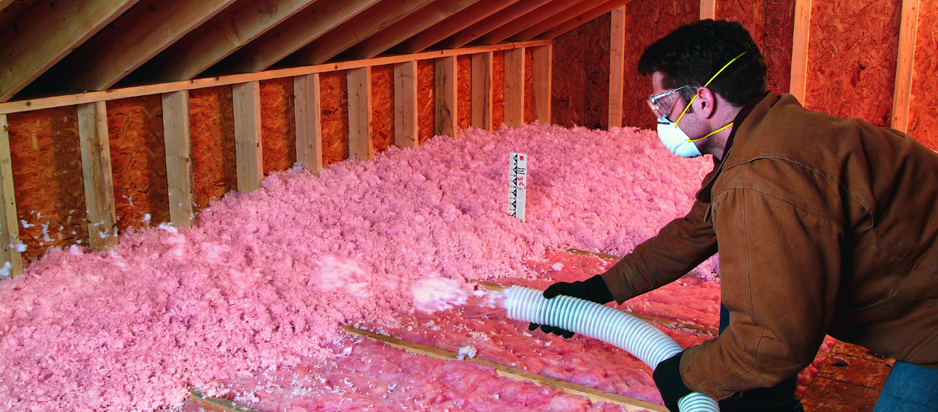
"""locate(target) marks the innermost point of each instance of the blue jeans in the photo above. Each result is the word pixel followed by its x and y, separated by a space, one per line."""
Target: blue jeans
pixel 909 388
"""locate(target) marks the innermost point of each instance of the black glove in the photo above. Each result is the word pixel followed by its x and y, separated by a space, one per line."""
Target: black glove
pixel 670 384
pixel 593 289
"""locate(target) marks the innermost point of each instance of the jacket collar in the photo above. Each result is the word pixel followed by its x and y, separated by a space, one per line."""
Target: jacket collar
pixel 758 104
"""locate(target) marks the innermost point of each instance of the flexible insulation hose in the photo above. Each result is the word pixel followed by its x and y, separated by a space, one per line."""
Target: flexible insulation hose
pixel 609 325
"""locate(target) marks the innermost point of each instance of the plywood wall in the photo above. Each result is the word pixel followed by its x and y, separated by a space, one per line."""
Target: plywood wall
pixel 50 199
pixel 645 22
pixel 211 117
pixel 464 90
pixel 138 162
pixel 851 71
pixel 923 119
pixel 334 95
pixel 278 125
pixel 580 78
pixel 771 24
pixel 852 58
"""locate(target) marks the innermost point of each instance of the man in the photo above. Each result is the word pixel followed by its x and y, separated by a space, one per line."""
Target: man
pixel 824 226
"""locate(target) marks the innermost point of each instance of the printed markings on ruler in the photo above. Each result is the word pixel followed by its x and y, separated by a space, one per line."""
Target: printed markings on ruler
pixel 517 184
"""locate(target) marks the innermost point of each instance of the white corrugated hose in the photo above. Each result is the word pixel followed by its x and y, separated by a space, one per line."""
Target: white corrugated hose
pixel 601 322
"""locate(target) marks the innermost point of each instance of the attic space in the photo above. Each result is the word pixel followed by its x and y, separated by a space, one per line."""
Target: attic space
pixel 330 205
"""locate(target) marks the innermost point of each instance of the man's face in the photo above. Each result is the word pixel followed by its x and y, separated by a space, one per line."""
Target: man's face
pixel 657 80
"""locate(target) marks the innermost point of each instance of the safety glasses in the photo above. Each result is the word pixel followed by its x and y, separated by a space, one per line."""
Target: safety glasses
pixel 662 103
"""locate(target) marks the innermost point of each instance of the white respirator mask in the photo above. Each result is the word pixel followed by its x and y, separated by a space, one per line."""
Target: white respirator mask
pixel 676 140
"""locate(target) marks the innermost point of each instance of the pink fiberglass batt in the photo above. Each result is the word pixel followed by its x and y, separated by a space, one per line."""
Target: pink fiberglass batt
pixel 483 328
pixel 265 277
pixel 375 377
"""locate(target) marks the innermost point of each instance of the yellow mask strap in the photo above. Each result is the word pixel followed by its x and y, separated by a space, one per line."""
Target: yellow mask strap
pixel 710 134
pixel 705 85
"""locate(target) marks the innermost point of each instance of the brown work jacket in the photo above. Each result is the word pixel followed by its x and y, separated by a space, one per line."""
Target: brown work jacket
pixel 824 226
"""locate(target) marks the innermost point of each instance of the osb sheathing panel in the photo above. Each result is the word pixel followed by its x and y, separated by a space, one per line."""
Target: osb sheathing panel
pixel 426 120
pixel 580 95
pixel 47 177
pixel 278 125
pixel 334 97
pixel 464 90
pixel 923 113
pixel 529 111
pixel 852 58
pixel 382 107
pixel 647 21
pixel 211 117
pixel 772 24
pixel 138 161
pixel 568 77
pixel 498 88
pixel 13 12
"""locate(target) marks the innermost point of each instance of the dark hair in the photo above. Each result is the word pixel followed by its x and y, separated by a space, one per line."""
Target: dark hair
pixel 693 53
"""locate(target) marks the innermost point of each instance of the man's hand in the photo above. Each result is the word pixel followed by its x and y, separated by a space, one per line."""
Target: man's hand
pixel 593 289
pixel 667 377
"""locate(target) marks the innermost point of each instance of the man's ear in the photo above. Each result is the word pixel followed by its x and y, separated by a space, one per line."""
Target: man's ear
pixel 706 102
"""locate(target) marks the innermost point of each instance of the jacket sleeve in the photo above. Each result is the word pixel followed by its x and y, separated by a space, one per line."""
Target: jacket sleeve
pixel 679 247
pixel 779 272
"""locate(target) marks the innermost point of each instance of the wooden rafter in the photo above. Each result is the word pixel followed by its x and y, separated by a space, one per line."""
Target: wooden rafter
pixel 355 30
pixel 139 34
pixel 46 34
pixel 229 30
pixel 465 18
pixel 560 24
pixel 483 27
pixel 405 28
pixel 294 33
pixel 538 15
pixel 159 88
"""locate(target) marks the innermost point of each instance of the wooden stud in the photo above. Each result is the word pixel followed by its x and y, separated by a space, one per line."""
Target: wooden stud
pixel 902 98
pixel 514 87
pixel 708 9
pixel 147 90
pixel 482 91
pixel 356 29
pixel 405 104
pixel 177 136
pixel 46 34
pixel 10 257
pixel 359 114
pixel 98 178
pixel 294 33
pixel 407 27
pixel 799 50
pixel 465 18
pixel 308 112
pixel 234 27
pixel 594 395
pixel 445 107
pixel 486 26
pixel 530 19
pixel 541 67
pixel 247 124
pixel 557 26
pixel 617 67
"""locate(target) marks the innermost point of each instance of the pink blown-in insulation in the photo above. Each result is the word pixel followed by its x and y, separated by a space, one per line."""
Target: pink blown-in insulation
pixel 264 279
